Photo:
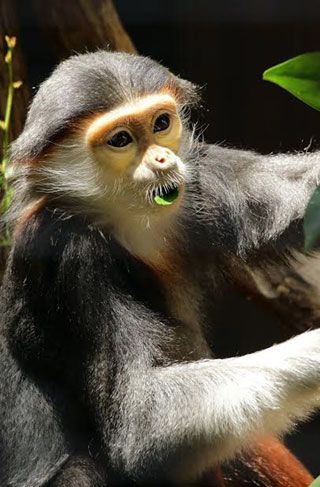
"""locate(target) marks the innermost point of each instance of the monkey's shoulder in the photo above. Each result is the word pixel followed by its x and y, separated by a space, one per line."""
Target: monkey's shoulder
pixel 65 252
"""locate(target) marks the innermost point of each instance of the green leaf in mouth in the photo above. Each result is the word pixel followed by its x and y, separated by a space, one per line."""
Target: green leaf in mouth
pixel 168 198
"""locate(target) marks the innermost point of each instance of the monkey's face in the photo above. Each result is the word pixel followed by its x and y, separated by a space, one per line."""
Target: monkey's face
pixel 135 148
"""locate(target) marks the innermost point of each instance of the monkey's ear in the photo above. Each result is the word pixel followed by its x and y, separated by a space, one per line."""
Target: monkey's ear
pixel 187 93
pixel 32 444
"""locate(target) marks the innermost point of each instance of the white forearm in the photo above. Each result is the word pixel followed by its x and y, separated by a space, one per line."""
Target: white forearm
pixel 223 403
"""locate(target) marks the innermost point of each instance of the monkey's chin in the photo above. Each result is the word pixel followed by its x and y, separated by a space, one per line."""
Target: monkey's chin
pixel 167 197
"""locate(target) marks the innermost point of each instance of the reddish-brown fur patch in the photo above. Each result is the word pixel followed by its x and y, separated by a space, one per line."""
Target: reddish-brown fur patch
pixel 277 466
pixel 28 213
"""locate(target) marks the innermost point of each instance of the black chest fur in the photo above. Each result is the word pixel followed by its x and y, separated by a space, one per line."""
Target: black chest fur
pixel 63 277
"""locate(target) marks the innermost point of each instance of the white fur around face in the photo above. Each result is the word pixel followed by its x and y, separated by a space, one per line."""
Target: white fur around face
pixel 118 186
pixel 122 202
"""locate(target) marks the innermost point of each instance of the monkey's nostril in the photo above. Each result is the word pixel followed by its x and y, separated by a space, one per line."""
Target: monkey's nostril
pixel 161 159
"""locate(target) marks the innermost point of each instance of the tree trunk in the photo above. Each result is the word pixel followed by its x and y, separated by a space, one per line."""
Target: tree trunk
pixel 82 25
pixel 293 295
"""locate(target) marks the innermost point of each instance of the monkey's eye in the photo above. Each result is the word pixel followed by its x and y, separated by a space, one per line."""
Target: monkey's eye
pixel 120 139
pixel 161 123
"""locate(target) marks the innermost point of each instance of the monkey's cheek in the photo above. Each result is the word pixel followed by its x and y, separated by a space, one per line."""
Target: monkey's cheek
pixel 181 168
pixel 143 174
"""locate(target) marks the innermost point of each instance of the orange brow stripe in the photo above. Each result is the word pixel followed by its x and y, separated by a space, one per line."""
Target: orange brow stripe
pixel 131 112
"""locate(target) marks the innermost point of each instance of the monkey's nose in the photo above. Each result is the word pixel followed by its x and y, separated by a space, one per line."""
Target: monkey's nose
pixel 160 158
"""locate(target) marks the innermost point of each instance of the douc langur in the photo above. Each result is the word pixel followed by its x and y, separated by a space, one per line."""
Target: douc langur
pixel 127 230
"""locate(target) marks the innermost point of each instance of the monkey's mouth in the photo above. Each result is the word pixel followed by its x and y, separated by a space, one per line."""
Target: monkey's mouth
pixel 165 196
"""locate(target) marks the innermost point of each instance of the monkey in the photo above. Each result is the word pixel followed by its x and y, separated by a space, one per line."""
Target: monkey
pixel 127 229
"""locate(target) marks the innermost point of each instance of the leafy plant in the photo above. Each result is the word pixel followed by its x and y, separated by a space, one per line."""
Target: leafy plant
pixel 301 77
pixel 5 188
pixel 315 483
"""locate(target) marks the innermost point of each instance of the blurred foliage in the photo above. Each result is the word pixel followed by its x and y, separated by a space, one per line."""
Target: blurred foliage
pixel 316 483
pixel 5 188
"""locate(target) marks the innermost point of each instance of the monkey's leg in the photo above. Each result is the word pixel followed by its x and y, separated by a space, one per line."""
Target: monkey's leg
pixel 268 464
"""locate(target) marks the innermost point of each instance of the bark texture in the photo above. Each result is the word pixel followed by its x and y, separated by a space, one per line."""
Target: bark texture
pixel 82 25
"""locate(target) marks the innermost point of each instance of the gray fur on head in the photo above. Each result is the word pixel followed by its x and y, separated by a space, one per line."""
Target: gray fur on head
pixel 88 83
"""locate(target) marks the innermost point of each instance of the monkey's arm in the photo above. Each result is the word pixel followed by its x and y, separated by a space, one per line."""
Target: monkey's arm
pixel 205 409
pixel 153 415
pixel 249 200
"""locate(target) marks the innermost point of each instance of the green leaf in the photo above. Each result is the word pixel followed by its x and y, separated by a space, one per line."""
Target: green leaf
pixel 312 222
pixel 315 483
pixel 300 76
pixel 167 199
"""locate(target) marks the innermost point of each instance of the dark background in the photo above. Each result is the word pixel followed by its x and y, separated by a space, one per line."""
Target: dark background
pixel 224 46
